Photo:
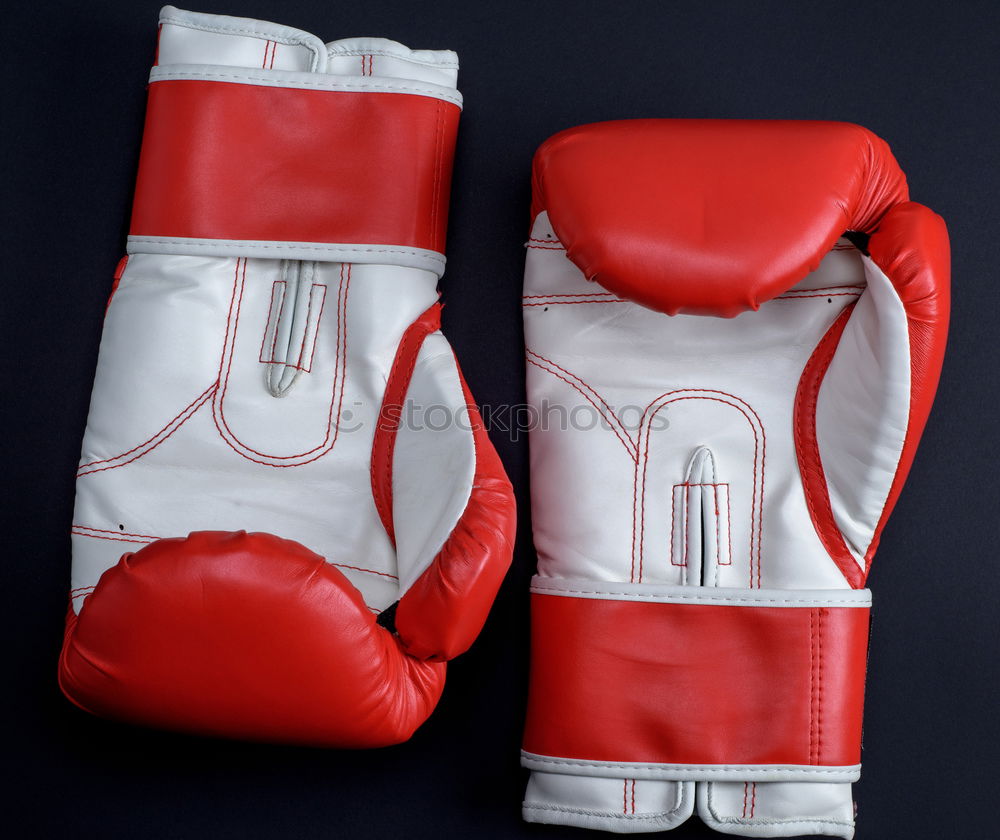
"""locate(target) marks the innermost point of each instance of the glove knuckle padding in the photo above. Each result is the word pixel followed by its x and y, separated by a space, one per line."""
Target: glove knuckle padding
pixel 244 509
pixel 708 492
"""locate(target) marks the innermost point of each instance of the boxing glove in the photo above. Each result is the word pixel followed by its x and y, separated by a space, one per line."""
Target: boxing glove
pixel 288 513
pixel 734 332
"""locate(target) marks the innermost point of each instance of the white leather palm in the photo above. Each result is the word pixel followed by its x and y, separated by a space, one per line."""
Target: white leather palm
pixel 664 455
pixel 252 386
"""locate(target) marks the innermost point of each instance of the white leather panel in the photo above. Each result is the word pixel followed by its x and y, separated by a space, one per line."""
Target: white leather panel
pixel 381 57
pixel 863 411
pixel 434 460
pixel 622 805
pixel 777 809
pixel 148 471
pixel 192 38
pixel 642 393
pixel 621 500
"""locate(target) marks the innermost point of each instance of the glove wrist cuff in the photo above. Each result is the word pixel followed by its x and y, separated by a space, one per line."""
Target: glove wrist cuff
pixel 297 165
pixel 696 683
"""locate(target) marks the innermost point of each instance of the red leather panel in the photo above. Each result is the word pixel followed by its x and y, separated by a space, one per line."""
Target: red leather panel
pixel 627 681
pixel 247 162
pixel 814 486
pixel 244 636
pixel 440 616
pixel 911 247
pixel 710 216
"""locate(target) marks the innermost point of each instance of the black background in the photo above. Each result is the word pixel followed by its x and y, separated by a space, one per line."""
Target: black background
pixel 924 76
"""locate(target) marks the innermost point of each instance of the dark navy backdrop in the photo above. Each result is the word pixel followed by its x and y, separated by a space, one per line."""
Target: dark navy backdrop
pixel 922 75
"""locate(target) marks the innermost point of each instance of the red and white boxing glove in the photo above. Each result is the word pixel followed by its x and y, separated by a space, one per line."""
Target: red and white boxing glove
pixel 708 492
pixel 272 382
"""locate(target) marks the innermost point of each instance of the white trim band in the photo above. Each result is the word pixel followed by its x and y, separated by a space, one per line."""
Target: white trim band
pixel 301 80
pixel 706 595
pixel 318 251
pixel 692 772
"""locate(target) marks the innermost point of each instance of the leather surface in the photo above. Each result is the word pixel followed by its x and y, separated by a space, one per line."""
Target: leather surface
pixel 693 220
pixel 771 684
pixel 761 450
pixel 268 174
pixel 229 557
pixel 278 646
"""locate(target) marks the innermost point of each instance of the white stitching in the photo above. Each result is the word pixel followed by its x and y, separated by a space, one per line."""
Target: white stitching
pixel 731 600
pixel 187 243
pixel 328 82
pixel 806 771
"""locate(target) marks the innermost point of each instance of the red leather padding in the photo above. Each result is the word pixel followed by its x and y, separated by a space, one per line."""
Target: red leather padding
pixel 911 248
pixel 253 162
pixel 441 614
pixel 244 636
pixel 689 684
pixel 814 484
pixel 710 217
pixel 391 411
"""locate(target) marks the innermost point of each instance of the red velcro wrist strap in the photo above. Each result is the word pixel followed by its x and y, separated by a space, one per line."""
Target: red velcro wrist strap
pixel 696 683
pixel 295 165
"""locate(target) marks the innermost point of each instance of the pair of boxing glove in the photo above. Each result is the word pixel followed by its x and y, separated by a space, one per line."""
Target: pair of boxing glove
pixel 733 334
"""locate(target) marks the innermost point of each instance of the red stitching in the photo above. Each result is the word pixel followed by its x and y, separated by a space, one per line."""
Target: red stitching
pixel 825 295
pixel 577 294
pixel 191 409
pixel 687 529
pixel 673 522
pixel 319 321
pixel 819 684
pixel 633 796
pixel 812 685
pixel 625 441
pixel 274 49
pixel 753 800
pixel 112 539
pixel 267 45
pixel 860 287
pixel 651 412
pixel 115 533
pixel 624 796
pixel 718 530
pixel 729 521
pixel 340 363
pixel 306 368
pixel 361 569
pixel 80 589
pixel 267 325
pixel 546 247
pixel 570 302
pixel 193 404
pixel 746 793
